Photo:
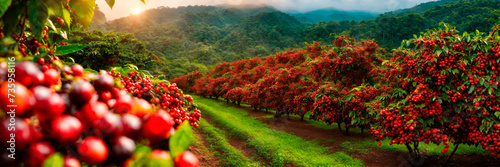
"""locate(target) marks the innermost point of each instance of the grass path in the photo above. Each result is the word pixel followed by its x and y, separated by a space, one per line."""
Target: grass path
pixel 227 154
pixel 281 148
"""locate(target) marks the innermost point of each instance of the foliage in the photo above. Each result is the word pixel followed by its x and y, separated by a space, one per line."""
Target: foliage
pixel 105 50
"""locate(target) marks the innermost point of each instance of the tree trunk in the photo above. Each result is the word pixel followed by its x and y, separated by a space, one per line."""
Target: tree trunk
pixel 302 117
pixel 453 152
pixel 340 128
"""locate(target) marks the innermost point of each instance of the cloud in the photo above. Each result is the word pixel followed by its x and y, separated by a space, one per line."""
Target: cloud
pixel 124 7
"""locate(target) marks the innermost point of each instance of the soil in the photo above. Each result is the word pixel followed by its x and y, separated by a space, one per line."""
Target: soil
pixel 240 144
pixel 205 158
pixel 333 139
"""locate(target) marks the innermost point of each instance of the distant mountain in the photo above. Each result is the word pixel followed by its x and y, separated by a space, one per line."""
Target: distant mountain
pixel 420 8
pixel 330 14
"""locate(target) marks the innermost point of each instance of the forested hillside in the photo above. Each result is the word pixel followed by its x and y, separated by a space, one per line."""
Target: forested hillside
pixel 198 37
pixel 331 14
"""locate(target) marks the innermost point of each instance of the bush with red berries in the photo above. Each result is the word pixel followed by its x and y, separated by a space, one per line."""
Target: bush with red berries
pixel 450 91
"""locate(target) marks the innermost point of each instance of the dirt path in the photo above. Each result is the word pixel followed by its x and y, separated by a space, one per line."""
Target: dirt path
pixel 239 144
pixel 374 157
pixel 205 156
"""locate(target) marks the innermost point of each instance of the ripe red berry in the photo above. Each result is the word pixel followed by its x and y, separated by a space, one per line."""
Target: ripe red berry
pixel 70 161
pixel 121 149
pixel 186 159
pixel 82 93
pixel 105 96
pixel 131 126
pixel 38 152
pixel 104 83
pixel 27 73
pixel 77 70
pixel 41 61
pixel 60 20
pixel 189 98
pixel 21 98
pixel 48 106
pixel 110 125
pixel 66 129
pixel 158 126
pixel 123 103
pixel 92 112
pixel 93 150
pixel 67 70
pixel 22 133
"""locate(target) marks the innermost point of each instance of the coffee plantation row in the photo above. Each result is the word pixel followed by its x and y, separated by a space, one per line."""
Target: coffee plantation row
pixel 56 113
pixel 440 87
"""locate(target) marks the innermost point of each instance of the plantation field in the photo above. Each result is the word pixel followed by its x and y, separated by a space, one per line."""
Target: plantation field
pixel 241 136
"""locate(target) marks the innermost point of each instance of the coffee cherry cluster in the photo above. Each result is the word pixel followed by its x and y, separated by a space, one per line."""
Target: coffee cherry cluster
pixel 166 96
pixel 83 116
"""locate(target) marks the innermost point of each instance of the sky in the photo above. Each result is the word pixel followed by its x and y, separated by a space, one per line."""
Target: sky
pixel 124 8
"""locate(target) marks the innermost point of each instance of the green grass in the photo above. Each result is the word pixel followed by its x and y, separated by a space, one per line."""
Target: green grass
pixel 228 155
pixel 429 149
pixel 280 147
pixel 348 146
pixel 196 142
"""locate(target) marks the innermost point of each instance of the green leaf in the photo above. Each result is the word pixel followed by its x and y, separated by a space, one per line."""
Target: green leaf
pixel 438 52
pixel 84 10
pixel 179 142
pixel 11 17
pixel 37 15
pixel 51 24
pixel 111 3
pixel 7 41
pixel 444 96
pixel 62 50
pixel 54 160
pixel 481 81
pixel 142 151
pixel 446 50
pixel 471 89
pixel 5 5
pixel 90 70
pixel 421 106
pixel 155 162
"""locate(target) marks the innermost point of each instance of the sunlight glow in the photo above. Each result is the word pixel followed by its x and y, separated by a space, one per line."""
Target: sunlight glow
pixel 136 10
